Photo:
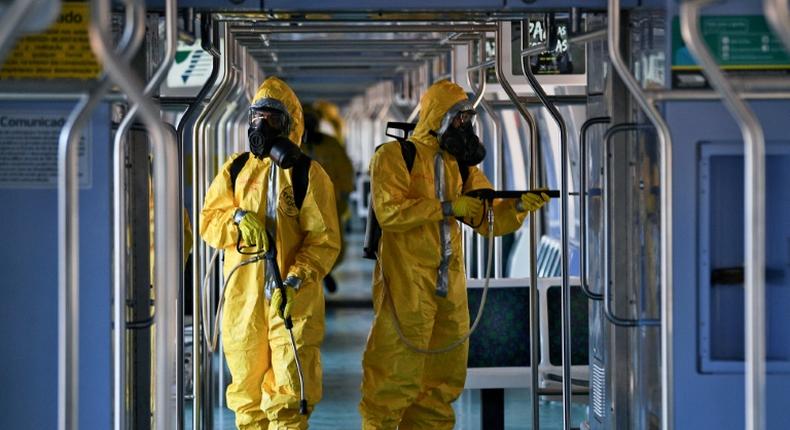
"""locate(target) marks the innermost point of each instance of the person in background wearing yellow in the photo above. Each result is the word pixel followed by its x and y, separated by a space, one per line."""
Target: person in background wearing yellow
pixel 328 152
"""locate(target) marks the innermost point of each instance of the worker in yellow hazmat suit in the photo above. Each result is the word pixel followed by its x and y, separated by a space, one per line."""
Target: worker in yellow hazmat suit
pixel 330 113
pixel 262 208
pixel 328 152
pixel 420 271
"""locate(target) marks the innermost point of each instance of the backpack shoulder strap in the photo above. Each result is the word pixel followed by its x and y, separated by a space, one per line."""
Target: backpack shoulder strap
pixel 235 168
pixel 409 151
pixel 300 179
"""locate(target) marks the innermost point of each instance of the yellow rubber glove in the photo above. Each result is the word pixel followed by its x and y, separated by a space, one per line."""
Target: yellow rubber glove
pixel 532 202
pixel 253 231
pixel 467 207
pixel 276 303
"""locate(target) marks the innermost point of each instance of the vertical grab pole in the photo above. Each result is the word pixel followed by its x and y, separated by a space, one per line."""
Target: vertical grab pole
pixel 119 225
pixel 665 148
pixel 206 42
pixel 166 217
pixel 583 205
pixel 498 148
pixel 13 17
pixel 777 13
pixel 68 228
pixel 478 98
pixel 754 216
pixel 534 321
pixel 567 398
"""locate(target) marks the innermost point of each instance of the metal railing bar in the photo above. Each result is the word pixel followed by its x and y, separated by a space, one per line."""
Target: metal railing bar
pixel 583 205
pixel 534 320
pixel 777 13
pixel 567 395
pixel 68 227
pixel 607 299
pixel 167 256
pixel 709 95
pixel 665 162
pixel 754 216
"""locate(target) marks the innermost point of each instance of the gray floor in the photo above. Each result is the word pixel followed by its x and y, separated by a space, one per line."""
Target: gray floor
pixel 346 333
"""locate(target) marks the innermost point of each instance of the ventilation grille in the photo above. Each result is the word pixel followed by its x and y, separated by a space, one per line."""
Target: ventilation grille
pixel 598 382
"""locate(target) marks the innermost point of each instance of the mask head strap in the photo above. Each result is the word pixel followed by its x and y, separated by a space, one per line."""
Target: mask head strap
pixel 447 120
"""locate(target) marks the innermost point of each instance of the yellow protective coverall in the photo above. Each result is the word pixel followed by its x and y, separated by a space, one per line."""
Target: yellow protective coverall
pixel 264 392
pixel 401 388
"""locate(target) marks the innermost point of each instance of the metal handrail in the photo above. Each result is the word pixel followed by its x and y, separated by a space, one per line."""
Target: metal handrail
pixel 263 27
pixel 754 216
pixel 68 226
pixel 13 18
pixel 208 37
pixel 607 300
pixel 583 205
pixel 167 260
pixel 708 95
pixel 203 128
pixel 500 141
pixel 777 13
pixel 119 221
pixel 534 320
pixel 665 162
pixel 566 288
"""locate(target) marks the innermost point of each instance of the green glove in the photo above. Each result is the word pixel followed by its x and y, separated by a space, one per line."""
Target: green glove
pixel 253 231
pixel 276 304
pixel 467 207
pixel 532 202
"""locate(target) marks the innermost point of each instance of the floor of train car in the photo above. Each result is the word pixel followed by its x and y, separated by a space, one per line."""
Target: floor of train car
pixel 348 320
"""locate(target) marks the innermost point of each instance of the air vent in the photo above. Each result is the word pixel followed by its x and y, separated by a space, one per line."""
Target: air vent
pixel 598 397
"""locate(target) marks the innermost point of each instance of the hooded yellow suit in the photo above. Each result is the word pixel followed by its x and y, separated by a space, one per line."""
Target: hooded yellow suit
pixel 402 388
pixel 264 392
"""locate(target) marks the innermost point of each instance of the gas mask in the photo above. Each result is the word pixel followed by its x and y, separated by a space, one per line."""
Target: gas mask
pixel 268 136
pixel 457 135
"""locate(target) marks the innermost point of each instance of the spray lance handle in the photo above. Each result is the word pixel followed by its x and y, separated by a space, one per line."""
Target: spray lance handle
pixel 271 257
pixel 489 194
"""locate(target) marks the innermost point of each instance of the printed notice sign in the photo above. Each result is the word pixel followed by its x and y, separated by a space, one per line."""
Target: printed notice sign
pixel 740 44
pixel 62 52
pixel 29 149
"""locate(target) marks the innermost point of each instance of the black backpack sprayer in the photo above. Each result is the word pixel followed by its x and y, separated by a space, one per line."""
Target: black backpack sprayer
pixel 373 233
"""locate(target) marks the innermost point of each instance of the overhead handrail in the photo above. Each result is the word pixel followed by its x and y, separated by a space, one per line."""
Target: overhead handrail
pixel 777 13
pixel 583 205
pixel 565 299
pixel 13 17
pixel 754 216
pixel 269 27
pixel 209 36
pixel 707 95
pixel 120 222
pixel 534 320
pixel 665 163
pixel 68 225
pixel 607 299
pixel 167 259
